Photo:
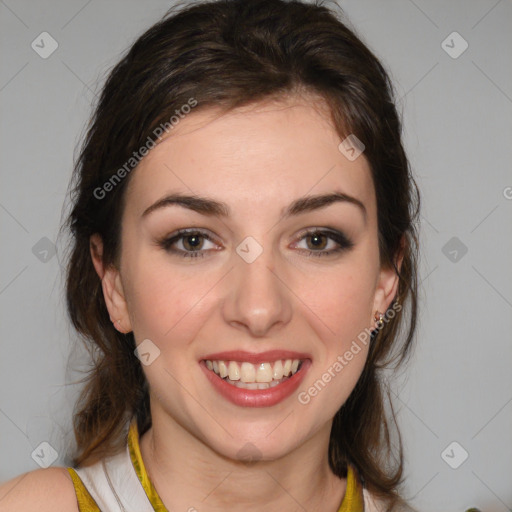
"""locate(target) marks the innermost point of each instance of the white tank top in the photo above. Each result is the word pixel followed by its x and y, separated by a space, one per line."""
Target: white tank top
pixel 114 484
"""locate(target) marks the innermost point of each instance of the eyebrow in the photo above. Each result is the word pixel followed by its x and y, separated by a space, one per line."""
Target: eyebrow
pixel 212 207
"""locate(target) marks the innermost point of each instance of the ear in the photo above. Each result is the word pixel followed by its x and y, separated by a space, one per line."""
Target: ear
pixel 387 284
pixel 112 287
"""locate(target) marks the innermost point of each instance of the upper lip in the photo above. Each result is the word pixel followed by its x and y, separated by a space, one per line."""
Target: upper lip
pixel 255 358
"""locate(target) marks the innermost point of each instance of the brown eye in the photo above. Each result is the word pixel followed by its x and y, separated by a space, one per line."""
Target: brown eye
pixel 192 242
pixel 188 243
pixel 317 241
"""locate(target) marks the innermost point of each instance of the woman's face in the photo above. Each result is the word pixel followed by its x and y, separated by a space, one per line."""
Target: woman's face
pixel 249 279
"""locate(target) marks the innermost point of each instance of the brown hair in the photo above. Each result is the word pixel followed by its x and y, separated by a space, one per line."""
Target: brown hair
pixel 227 54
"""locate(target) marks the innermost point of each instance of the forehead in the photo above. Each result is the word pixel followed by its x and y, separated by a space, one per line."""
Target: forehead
pixel 257 155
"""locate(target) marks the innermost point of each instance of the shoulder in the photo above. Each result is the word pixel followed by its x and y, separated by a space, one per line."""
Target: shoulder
pixel 45 490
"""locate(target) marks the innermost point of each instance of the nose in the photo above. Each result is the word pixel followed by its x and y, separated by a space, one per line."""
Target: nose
pixel 257 298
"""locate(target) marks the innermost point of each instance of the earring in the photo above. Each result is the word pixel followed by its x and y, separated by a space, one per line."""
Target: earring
pixel 379 319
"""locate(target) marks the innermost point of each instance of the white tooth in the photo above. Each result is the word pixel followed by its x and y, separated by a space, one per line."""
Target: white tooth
pixel 247 372
pixel 254 385
pixel 264 373
pixel 287 367
pixel 216 367
pixel 295 365
pixel 246 385
pixel 234 370
pixel 223 369
pixel 277 372
pixel 209 364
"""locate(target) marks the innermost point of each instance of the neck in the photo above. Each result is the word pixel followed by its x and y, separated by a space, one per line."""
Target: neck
pixel 188 475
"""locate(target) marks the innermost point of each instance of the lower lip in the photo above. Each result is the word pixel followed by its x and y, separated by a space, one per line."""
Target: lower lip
pixel 257 397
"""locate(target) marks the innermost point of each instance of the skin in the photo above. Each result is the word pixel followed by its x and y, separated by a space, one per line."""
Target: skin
pixel 257 160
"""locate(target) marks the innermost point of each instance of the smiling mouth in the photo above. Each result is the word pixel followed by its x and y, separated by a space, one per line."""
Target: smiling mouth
pixel 246 375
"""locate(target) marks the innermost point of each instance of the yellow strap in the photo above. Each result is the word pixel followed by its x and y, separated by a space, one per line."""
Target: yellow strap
pixel 140 469
pixel 85 501
pixel 353 500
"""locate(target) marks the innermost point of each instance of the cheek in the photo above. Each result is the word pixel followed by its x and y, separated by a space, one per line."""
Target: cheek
pixel 341 305
pixel 340 299
pixel 164 302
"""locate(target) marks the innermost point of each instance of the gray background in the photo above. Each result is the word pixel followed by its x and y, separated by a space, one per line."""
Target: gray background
pixel 457 120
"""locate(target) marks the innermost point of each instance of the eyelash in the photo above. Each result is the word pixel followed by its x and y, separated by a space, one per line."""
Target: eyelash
pixel 343 242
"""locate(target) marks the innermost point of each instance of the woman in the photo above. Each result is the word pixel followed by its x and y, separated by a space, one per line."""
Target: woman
pixel 244 243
